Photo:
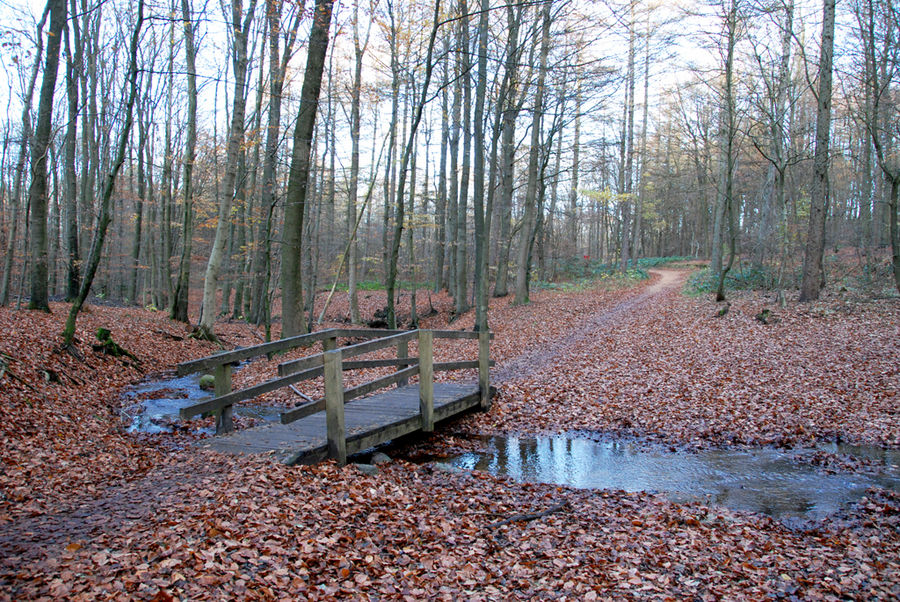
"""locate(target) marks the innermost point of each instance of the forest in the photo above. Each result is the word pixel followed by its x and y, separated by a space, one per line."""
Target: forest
pixel 651 249
pixel 253 153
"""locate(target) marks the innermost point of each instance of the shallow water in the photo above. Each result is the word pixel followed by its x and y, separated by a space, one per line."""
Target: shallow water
pixel 158 415
pixel 767 480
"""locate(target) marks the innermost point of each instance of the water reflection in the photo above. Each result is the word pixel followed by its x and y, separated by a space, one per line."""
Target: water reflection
pixel 765 480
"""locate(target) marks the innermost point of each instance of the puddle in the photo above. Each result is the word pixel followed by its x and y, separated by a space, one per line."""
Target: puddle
pixel 155 404
pixel 769 481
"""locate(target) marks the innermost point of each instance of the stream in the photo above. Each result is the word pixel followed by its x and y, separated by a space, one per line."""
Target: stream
pixel 781 483
pixel 153 406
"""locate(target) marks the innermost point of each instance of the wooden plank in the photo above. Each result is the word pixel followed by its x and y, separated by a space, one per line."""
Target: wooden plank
pixel 365 333
pixel 303 363
pixel 204 363
pixel 334 408
pixel 362 364
pixel 457 334
pixel 426 380
pixel 385 432
pixel 349 351
pixel 349 394
pixel 303 411
pixel 403 353
pixel 222 387
pixel 484 355
pixel 380 383
pixel 367 422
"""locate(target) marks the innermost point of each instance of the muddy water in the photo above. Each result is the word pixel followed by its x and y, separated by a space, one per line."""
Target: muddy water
pixel 153 406
pixel 770 481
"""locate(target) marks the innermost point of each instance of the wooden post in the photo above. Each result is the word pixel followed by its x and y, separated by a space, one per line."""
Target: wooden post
pixel 484 359
pixel 402 352
pixel 222 375
pixel 426 379
pixel 329 344
pixel 334 407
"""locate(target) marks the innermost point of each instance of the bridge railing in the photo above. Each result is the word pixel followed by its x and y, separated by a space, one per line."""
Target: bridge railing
pixel 331 363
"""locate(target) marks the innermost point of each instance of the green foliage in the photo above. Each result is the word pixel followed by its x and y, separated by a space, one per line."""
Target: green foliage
pixel 378 285
pixel 592 269
pixel 610 277
pixel 747 278
pixel 654 262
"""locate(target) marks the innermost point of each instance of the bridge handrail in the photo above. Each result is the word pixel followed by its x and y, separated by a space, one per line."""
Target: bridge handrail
pixel 316 365
pixel 245 353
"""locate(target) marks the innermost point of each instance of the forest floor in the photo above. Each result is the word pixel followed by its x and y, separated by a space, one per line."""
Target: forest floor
pixel 89 511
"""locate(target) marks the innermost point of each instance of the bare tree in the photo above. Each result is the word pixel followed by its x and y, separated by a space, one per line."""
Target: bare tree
pixel 240 32
pixel 813 274
pixel 37 192
pixel 109 183
pixel 298 183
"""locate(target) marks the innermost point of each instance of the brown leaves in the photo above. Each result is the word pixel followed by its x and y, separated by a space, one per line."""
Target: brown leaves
pixel 91 513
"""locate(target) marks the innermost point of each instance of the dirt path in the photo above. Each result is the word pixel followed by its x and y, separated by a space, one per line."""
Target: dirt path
pixel 525 365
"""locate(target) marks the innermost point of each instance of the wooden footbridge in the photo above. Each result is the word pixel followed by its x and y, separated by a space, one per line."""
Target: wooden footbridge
pixel 345 421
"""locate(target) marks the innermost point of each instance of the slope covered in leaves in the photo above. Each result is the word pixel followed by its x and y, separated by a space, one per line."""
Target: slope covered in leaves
pixel 89 512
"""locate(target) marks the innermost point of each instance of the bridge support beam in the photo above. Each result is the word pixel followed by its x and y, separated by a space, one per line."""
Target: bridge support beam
pixel 224 421
pixel 484 366
pixel 426 379
pixel 334 407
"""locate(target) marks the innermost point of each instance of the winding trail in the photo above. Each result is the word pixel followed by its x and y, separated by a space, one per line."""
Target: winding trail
pixel 527 364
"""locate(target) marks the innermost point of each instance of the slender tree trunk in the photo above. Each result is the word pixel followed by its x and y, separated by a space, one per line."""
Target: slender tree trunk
pixel 462 203
pixel 440 208
pixel 482 213
pixel 73 66
pixel 507 151
pixel 404 163
pixel 19 173
pixel 182 287
pixel 813 274
pixel 725 204
pixel 359 50
pixel 298 182
pixel 526 240
pixel 105 216
pixel 241 33
pixel 37 192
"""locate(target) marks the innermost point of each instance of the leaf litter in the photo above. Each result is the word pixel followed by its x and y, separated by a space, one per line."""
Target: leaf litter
pixel 90 512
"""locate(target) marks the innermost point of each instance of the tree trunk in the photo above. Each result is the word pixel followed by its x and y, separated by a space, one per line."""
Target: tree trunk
pixel 507 151
pixel 404 163
pixel 37 192
pixel 482 213
pixel 462 203
pixel 109 184
pixel 529 220
pixel 725 202
pixel 440 206
pixel 298 182
pixel 19 174
pixel 240 33
pixel 813 275
pixel 359 50
pixel 182 287
pixel 73 66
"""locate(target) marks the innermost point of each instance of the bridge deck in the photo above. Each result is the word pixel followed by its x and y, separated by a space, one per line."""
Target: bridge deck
pixel 368 422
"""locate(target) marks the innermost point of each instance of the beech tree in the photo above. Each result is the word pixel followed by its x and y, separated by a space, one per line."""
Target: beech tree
pixel 293 322
pixel 40 146
pixel 813 274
